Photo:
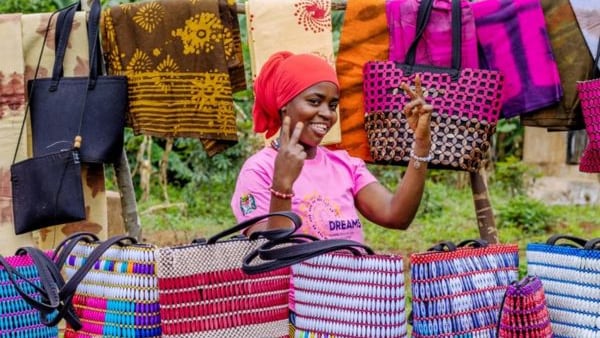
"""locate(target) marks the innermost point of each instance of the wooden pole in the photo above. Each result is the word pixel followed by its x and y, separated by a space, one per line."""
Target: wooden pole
pixel 483 208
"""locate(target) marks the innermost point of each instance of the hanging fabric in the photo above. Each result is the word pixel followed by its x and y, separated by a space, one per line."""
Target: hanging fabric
pixel 175 56
pixel 587 13
pixel 434 48
pixel 12 108
pixel 290 25
pixel 364 37
pixel 514 40
pixel 574 64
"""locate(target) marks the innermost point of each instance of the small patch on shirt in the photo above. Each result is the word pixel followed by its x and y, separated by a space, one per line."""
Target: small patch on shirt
pixel 247 204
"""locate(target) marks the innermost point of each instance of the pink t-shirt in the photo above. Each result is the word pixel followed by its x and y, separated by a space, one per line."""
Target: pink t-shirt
pixel 324 192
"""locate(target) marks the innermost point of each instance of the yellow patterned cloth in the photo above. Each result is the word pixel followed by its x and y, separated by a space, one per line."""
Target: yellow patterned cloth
pixel 298 26
pixel 12 110
pixel 76 63
pixel 177 56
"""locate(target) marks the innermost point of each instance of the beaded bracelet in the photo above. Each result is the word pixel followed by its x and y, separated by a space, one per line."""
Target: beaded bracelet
pixel 281 195
pixel 419 159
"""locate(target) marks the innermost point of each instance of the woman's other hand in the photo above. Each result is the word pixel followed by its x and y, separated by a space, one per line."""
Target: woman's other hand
pixel 418 115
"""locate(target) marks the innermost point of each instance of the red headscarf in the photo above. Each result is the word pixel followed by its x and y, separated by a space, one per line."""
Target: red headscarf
pixel 281 78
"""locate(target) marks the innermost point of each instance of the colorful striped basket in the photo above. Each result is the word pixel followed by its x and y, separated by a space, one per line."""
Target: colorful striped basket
pixel 118 297
pixel 569 268
pixel 18 319
pixel 457 289
pixel 524 311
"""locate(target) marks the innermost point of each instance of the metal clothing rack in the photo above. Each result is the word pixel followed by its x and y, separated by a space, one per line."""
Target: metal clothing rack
pixel 483 208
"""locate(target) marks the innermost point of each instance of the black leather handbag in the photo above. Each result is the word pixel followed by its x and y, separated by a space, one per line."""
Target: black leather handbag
pixel 47 190
pixel 57 102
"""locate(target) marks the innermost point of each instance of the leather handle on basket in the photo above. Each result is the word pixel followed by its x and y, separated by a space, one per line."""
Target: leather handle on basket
pixel 293 254
pixel 593 244
pixel 443 246
pixel 474 243
pixel 577 240
pixel 423 17
pixel 52 280
pixel 270 234
pixel 64 248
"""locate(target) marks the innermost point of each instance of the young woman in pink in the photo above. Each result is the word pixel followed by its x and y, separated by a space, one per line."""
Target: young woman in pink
pixel 299 94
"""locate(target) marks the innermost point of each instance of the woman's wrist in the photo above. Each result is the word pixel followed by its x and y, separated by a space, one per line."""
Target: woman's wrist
pixel 421 148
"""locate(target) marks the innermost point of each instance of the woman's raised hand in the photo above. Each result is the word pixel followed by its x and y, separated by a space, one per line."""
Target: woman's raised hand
pixel 418 114
pixel 290 156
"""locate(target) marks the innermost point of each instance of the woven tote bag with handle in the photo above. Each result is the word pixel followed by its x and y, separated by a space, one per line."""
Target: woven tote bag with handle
pixel 466 101
pixel 203 291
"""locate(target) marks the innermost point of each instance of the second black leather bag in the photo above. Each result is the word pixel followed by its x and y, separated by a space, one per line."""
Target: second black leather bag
pixel 57 102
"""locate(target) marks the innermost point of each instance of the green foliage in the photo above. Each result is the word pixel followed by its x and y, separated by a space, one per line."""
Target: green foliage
pixel 527 214
pixel 513 176
pixel 508 139
pixel 29 6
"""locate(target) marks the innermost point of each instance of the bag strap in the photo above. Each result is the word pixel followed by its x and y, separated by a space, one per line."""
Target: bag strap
pixel 68 291
pixel 593 244
pixel 49 271
pixel 277 258
pixel 270 234
pixel 443 246
pixel 595 70
pixel 64 248
pixel 579 242
pixel 32 87
pixel 64 26
pixel 423 16
pixel 474 243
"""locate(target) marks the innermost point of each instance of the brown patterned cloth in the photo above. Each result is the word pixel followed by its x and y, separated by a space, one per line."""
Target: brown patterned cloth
pixel 178 56
pixel 364 38
pixel 574 64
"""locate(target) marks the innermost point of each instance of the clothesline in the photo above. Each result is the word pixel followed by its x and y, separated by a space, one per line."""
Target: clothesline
pixel 338 5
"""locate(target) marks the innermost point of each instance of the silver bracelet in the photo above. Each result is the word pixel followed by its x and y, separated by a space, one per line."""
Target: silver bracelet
pixel 419 159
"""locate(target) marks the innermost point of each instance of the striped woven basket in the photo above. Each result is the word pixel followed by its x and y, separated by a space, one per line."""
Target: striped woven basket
pixel 119 296
pixel 524 311
pixel 204 292
pixel 569 268
pixel 458 289
pixel 342 295
pixel 17 317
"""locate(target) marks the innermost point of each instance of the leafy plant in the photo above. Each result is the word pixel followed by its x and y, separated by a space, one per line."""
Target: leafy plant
pixel 527 214
pixel 513 176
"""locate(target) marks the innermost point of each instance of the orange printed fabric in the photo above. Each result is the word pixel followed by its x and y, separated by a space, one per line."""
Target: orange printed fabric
pixel 364 38
pixel 177 56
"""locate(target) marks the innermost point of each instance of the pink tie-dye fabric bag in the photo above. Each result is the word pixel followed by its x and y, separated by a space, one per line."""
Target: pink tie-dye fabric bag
pixel 514 40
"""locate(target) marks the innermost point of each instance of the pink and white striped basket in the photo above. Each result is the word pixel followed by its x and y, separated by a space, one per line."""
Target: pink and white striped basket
pixel 342 295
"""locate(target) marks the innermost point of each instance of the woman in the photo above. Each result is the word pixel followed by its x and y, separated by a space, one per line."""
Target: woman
pixel 299 94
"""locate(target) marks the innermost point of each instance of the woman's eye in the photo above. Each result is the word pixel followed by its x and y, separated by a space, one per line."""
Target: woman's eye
pixel 314 102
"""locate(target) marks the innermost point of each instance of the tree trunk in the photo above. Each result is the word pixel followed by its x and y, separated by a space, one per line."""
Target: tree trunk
pixel 128 202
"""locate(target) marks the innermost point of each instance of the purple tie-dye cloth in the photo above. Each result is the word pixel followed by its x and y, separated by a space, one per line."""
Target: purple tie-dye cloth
pixel 514 40
pixel 435 46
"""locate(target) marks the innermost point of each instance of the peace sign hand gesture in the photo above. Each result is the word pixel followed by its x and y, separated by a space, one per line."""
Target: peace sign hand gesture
pixel 290 157
pixel 418 115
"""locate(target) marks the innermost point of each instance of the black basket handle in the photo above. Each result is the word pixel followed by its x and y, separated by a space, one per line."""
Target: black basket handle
pixel 443 246
pixel 593 244
pixel 270 234
pixel 579 242
pixel 64 248
pixel 474 243
pixel 297 253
